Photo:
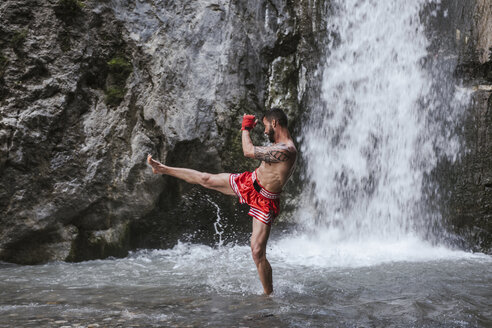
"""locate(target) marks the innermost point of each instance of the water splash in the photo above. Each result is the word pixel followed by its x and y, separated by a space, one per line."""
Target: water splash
pixel 377 129
pixel 218 226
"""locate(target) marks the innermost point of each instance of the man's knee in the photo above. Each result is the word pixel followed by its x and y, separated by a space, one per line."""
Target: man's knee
pixel 206 180
pixel 257 251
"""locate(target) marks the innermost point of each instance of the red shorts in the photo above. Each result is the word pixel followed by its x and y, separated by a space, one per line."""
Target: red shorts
pixel 265 205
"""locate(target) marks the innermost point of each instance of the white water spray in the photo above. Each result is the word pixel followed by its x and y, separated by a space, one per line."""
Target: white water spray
pixel 372 138
pixel 218 226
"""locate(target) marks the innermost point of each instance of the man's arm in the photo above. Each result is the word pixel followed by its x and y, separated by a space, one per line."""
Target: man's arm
pixel 272 154
pixel 248 147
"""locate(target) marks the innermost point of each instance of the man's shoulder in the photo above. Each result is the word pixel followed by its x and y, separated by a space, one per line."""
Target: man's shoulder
pixel 290 147
pixel 286 151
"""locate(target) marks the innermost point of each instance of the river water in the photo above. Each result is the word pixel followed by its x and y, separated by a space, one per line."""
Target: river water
pixel 407 284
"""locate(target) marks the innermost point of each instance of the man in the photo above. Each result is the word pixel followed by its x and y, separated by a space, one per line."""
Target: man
pixel 259 189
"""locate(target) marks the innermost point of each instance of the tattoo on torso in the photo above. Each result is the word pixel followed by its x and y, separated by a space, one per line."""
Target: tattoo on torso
pixel 274 154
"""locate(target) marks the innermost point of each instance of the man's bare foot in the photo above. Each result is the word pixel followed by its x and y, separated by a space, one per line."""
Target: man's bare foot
pixel 157 168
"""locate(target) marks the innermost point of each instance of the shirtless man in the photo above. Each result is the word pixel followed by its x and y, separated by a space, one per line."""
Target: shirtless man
pixel 259 189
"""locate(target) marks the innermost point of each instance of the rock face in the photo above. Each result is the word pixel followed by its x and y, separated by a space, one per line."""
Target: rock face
pixel 465 36
pixel 89 88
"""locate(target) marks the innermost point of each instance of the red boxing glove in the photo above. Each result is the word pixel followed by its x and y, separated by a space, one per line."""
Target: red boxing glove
pixel 249 122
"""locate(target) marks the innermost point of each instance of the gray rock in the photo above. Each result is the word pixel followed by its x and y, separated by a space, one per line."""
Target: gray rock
pixel 465 200
pixel 88 89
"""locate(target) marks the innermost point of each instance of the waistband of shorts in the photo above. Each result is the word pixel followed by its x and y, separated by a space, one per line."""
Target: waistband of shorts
pixel 263 191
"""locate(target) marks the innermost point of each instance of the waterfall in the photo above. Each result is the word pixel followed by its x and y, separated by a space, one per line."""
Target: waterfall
pixel 383 120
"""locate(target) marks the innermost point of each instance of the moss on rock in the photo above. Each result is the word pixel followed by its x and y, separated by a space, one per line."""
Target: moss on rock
pixel 120 65
pixel 114 95
pixel 119 68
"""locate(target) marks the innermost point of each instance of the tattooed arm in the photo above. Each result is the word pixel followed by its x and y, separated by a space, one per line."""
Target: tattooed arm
pixel 273 154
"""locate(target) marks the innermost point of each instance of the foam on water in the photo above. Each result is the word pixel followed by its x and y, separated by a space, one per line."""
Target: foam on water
pixel 325 250
pixel 230 269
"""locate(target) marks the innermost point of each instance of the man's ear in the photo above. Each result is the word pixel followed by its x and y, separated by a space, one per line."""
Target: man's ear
pixel 274 123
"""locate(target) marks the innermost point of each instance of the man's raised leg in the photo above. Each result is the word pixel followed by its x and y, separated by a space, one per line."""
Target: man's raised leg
pixel 219 182
pixel 259 239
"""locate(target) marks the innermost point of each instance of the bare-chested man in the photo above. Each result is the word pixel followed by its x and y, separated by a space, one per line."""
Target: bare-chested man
pixel 259 189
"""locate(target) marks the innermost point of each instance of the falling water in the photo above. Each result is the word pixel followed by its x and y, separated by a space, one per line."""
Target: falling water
pixel 375 132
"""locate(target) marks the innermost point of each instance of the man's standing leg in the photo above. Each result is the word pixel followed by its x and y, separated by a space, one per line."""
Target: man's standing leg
pixel 220 182
pixel 259 239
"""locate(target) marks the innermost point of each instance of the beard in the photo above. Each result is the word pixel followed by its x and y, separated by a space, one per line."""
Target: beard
pixel 270 135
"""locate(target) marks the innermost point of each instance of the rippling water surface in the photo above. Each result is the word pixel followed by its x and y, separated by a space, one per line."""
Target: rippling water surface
pixel 405 284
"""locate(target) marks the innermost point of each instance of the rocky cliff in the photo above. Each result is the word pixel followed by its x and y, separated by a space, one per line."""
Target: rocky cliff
pixel 89 88
pixel 463 35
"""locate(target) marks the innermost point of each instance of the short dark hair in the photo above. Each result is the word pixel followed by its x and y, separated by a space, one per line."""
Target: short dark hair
pixel 278 115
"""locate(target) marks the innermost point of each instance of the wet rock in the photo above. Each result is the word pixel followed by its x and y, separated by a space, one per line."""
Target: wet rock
pixel 51 184
pixel 101 243
pixel 482 30
pixel 465 200
pixel 467 206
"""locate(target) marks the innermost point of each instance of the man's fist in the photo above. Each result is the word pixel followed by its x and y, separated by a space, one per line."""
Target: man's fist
pixel 249 122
